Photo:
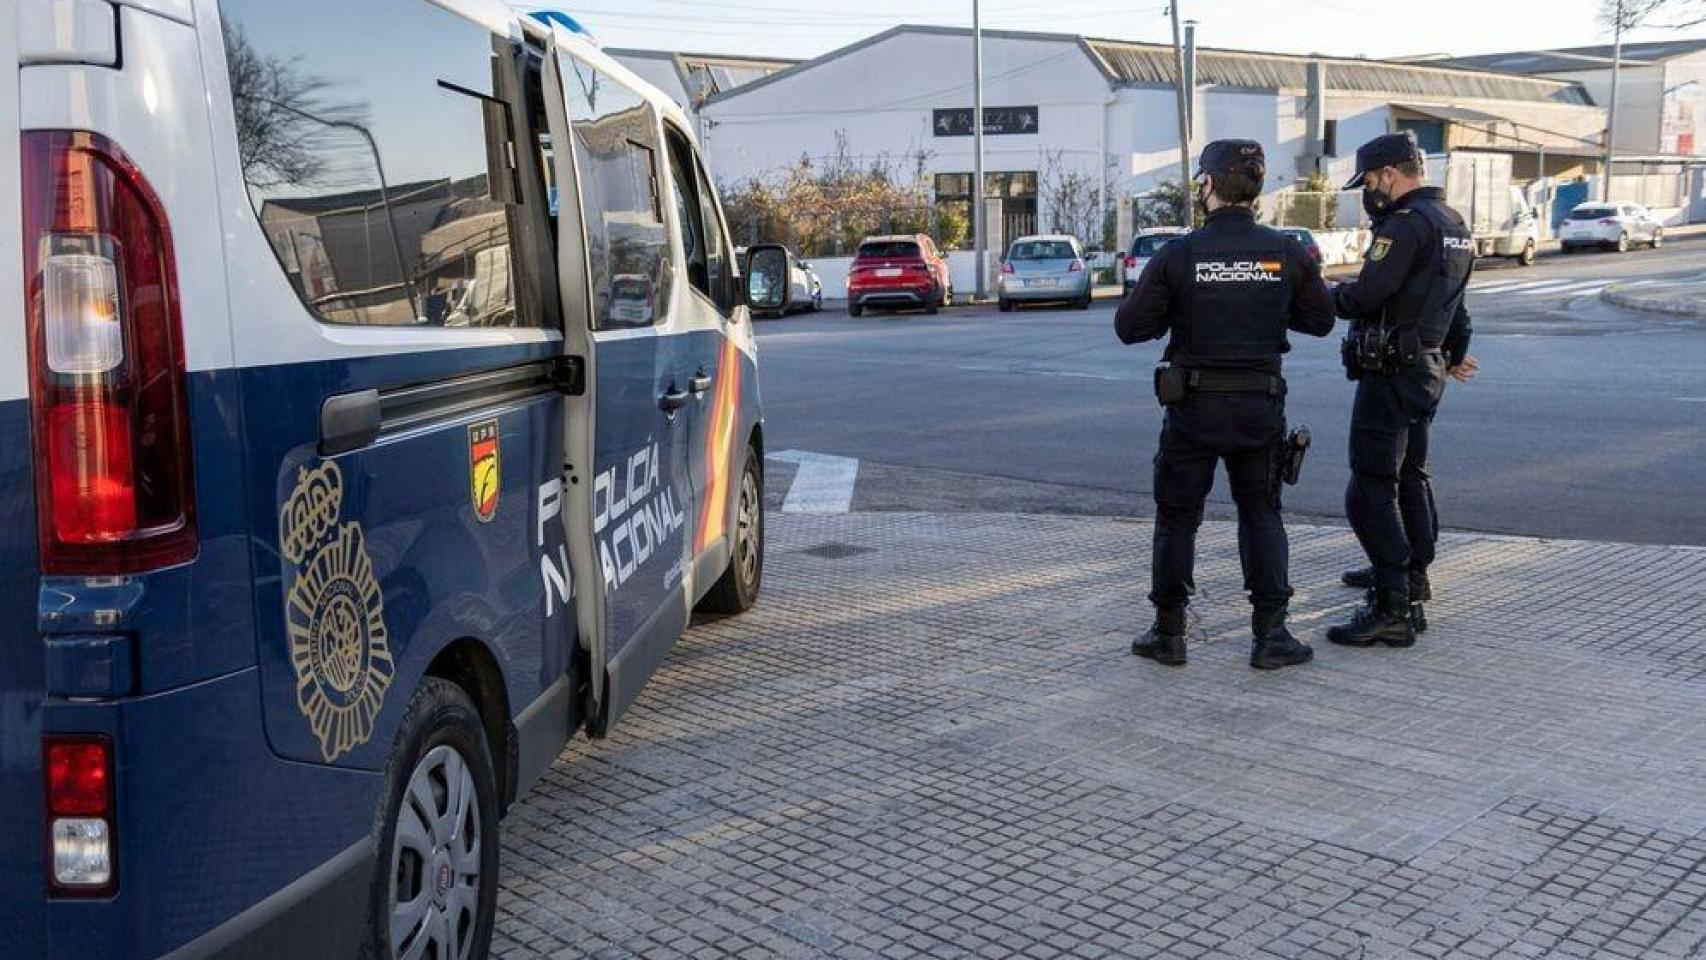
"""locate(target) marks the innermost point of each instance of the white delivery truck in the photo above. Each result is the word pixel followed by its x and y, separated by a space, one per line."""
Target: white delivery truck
pixel 1479 186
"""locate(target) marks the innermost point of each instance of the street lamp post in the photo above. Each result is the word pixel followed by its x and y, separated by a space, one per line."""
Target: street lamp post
pixel 978 213
pixel 1611 110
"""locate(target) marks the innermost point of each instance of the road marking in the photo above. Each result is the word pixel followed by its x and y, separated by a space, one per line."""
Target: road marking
pixel 1508 287
pixel 823 484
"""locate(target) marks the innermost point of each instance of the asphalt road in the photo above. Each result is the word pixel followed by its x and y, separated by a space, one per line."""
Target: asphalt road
pixel 1587 422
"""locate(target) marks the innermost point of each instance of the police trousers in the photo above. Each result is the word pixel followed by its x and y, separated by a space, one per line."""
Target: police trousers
pixel 1247 432
pixel 1390 500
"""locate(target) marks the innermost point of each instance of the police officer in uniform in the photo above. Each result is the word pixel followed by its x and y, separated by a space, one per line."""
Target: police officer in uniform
pixel 1224 295
pixel 1415 485
pixel 1405 307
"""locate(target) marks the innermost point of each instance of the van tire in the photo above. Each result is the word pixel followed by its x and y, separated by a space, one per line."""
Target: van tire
pixel 855 310
pixel 1526 257
pixel 1658 239
pixel 440 738
pixel 737 589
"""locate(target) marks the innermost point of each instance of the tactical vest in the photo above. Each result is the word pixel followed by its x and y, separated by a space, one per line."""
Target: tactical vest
pixel 1434 289
pixel 1237 303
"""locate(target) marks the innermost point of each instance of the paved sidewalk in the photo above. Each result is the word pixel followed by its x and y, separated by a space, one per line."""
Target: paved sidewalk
pixel 929 740
pixel 1680 298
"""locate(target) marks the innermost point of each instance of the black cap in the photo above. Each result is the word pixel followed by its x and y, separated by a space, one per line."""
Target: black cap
pixel 1386 150
pixel 1234 156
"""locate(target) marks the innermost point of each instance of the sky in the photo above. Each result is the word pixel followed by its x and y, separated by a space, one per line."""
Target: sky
pixel 806 28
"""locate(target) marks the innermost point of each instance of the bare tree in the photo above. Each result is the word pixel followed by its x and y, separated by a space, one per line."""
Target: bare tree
pixel 1677 14
pixel 1072 198
pixel 282 114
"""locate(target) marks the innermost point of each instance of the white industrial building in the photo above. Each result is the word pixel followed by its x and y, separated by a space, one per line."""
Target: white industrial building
pixel 1661 88
pixel 1105 109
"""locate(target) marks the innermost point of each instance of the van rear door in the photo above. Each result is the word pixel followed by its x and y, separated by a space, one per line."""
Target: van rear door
pixel 21 681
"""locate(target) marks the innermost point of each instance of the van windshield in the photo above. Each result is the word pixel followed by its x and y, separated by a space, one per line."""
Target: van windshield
pixel 1042 250
pixel 889 248
pixel 1591 213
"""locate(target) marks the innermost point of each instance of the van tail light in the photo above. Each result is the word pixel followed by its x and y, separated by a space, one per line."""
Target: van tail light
pixel 1077 266
pixel 1007 268
pixel 1130 262
pixel 108 395
pixel 80 841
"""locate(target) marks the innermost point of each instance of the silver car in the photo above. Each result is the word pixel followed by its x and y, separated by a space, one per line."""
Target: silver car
pixel 1045 268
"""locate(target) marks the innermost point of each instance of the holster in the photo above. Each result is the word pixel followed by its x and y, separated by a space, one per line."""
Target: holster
pixel 1296 449
pixel 1171 384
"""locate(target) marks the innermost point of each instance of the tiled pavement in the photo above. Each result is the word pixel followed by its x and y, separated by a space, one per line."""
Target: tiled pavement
pixel 930 740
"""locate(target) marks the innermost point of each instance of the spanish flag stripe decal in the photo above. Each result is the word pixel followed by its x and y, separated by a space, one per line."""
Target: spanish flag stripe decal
pixel 720 449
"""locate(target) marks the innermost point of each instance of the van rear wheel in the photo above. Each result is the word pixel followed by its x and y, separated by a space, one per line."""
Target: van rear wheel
pixel 435 883
pixel 737 589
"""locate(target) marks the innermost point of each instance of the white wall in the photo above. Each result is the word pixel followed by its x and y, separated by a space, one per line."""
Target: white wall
pixel 1638 102
pixel 881 98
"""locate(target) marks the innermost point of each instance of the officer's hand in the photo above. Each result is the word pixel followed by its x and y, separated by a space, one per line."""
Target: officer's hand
pixel 1465 371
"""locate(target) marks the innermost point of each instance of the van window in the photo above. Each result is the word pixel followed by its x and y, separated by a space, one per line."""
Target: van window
pixel 618 151
pixel 382 171
pixel 701 226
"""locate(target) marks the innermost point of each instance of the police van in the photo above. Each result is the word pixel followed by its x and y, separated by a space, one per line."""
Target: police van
pixel 378 400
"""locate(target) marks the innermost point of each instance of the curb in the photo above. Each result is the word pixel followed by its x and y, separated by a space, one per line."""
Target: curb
pixel 1648 297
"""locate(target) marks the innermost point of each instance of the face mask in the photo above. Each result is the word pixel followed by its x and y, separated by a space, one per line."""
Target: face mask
pixel 1376 202
pixel 1202 199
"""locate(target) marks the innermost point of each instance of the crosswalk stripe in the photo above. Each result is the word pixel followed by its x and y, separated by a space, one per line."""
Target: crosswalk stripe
pixel 1508 287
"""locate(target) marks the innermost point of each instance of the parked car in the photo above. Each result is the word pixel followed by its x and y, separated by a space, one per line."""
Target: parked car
pixel 1307 239
pixel 811 289
pixel 1610 225
pixel 805 289
pixel 1043 269
pixel 300 590
pixel 1146 244
pixel 899 273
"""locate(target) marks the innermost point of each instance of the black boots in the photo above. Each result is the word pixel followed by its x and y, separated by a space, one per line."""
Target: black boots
pixel 1420 587
pixel 1275 647
pixel 1165 641
pixel 1386 619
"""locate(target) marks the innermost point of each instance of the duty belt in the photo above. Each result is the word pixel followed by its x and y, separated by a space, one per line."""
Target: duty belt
pixel 1235 381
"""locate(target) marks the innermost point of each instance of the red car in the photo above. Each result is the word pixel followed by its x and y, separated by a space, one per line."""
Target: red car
pixel 1307 239
pixel 900 273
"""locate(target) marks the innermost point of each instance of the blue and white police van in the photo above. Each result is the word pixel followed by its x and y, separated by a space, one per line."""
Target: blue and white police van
pixel 378 399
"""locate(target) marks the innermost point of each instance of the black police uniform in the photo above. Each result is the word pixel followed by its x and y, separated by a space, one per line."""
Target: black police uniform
pixel 1227 293
pixel 1406 306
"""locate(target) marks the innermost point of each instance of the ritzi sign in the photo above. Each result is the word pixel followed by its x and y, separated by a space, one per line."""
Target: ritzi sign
pixel 997 121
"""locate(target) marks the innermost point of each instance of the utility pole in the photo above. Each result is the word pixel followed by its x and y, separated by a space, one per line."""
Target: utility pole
pixel 978 213
pixel 1184 120
pixel 1611 114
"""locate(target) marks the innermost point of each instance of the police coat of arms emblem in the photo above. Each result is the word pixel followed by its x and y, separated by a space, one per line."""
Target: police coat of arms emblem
pixel 334 613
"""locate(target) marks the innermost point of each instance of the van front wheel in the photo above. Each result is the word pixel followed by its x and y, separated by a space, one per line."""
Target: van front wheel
pixel 435 883
pixel 737 589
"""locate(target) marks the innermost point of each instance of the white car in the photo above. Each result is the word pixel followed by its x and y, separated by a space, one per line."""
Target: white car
pixel 1615 225
pixel 1146 244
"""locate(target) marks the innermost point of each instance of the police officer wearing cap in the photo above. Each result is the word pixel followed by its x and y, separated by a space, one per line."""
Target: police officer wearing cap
pixel 1406 313
pixel 1225 296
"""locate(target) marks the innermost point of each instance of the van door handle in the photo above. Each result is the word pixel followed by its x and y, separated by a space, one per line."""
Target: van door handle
pixel 671 402
pixel 349 421
pixel 700 383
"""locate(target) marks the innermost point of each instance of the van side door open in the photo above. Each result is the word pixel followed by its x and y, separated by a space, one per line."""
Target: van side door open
pixel 640 380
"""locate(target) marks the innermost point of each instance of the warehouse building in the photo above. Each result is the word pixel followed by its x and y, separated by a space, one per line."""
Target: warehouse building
pixel 1065 108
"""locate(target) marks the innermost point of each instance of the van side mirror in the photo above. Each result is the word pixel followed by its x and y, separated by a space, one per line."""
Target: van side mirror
pixel 769 272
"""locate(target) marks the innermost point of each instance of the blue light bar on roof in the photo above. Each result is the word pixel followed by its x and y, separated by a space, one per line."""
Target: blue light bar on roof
pixel 559 17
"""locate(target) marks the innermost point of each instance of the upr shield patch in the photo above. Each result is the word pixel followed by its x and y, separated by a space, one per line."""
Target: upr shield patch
pixel 1382 247
pixel 484 479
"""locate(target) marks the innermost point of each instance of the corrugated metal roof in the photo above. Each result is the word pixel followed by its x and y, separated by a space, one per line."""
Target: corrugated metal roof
pixel 1145 63
pixel 1575 58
